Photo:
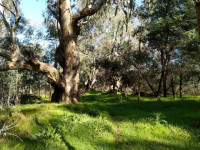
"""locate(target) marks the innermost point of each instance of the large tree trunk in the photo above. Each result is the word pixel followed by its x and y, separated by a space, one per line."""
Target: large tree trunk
pixel 67 89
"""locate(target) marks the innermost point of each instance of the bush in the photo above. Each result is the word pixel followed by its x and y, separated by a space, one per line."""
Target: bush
pixel 50 139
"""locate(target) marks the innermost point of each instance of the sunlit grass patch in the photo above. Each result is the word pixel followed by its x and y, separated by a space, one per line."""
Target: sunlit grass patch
pixel 105 121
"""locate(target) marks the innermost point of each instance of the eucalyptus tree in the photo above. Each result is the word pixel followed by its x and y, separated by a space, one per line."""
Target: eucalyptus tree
pixel 70 19
pixel 166 29
pixel 95 45
pixel 65 83
pixel 190 50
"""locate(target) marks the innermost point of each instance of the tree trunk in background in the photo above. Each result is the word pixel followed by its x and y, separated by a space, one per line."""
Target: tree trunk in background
pixel 159 86
pixel 39 88
pixel 114 86
pixel 172 87
pixel 1 95
pixel 8 99
pixel 180 85
pixel 197 6
pixel 139 50
pixel 17 91
pixel 49 91
pixel 91 79
pixel 181 77
pixel 88 85
pixel 1 103
pixel 139 82
pixel 165 86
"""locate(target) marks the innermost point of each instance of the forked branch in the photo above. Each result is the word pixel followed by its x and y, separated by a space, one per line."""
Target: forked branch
pixel 87 11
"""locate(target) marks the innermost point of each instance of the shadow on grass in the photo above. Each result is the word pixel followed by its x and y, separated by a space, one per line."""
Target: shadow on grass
pixel 184 113
pixel 143 145
pixel 67 144
pixel 32 99
pixel 29 111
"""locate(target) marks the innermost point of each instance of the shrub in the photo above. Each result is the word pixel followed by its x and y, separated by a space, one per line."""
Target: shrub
pixel 50 139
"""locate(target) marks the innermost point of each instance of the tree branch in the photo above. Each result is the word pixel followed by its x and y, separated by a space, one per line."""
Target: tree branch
pixel 17 16
pixel 52 73
pixel 15 6
pixel 144 77
pixel 88 11
pixel 13 66
pixel 12 56
pixel 7 9
pixel 19 62
pixel 12 30
pixel 8 28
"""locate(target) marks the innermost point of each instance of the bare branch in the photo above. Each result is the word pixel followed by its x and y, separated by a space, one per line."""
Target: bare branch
pixel 15 136
pixel 7 9
pixel 8 28
pixel 12 30
pixel 88 11
pixel 5 129
pixel 15 6
pixel 17 16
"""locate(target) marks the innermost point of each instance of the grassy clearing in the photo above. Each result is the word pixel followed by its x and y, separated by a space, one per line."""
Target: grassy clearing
pixel 105 122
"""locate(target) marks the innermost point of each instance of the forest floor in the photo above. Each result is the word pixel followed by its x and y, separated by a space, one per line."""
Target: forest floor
pixel 104 122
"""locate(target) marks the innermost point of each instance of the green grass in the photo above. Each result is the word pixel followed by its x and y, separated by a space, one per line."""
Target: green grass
pixel 107 122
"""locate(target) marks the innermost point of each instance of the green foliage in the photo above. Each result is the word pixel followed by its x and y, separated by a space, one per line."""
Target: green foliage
pixel 49 139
